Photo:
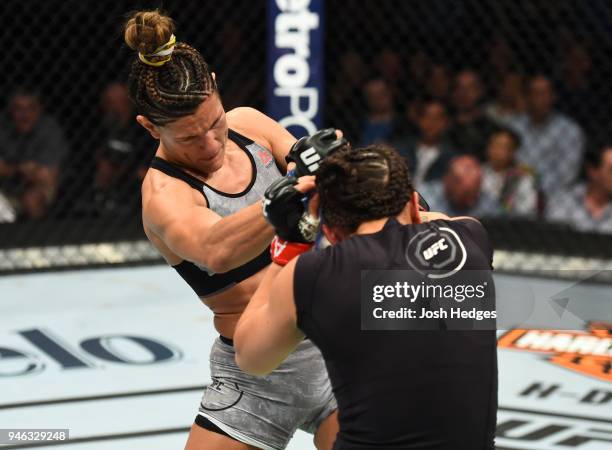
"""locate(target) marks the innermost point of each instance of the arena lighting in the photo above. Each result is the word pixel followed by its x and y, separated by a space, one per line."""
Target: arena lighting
pixel 77 256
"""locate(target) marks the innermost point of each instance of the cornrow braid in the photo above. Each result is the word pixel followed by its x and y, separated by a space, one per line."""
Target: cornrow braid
pixel 363 184
pixel 176 88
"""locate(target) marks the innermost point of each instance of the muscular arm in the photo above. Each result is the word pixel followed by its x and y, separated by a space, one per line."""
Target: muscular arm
pixel 267 332
pixel 197 234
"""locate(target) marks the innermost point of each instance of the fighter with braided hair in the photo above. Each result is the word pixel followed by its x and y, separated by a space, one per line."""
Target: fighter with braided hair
pixel 395 390
pixel 201 208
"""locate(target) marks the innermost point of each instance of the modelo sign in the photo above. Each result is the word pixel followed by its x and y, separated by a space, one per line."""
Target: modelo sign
pixel 295 64
pixel 120 349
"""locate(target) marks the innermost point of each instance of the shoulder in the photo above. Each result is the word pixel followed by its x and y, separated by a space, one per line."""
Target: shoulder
pixel 473 230
pixel 518 122
pixel 244 114
pixel 249 120
pixel 251 123
pixel 325 262
pixel 306 273
pixel 570 197
pixel 163 197
pixel 242 119
pixel 566 123
pixel 309 261
pixel 466 224
pixel 429 216
pixel 49 125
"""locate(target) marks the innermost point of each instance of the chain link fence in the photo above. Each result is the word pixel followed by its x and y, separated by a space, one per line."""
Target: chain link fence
pixel 501 107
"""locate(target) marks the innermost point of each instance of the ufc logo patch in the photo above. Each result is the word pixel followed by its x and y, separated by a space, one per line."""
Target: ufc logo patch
pixel 435 249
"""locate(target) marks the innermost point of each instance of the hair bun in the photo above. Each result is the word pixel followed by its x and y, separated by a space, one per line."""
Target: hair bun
pixel 145 31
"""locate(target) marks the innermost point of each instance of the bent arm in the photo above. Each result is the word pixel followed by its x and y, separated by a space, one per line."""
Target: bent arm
pixel 267 331
pixel 197 234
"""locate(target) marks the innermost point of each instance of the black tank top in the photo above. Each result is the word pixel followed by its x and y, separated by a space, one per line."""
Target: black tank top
pixel 201 279
pixel 398 389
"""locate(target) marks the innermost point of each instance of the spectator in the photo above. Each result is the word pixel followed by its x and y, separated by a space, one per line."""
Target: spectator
pixel 459 193
pixel 472 128
pixel 587 207
pixel 438 82
pixel 511 183
pixel 116 186
pixel 389 65
pixel 117 109
pixel 428 153
pixel 32 146
pixel 379 124
pixel 510 101
pixel 577 98
pixel 500 61
pixel 346 90
pixel 415 86
pixel 119 123
pixel 242 87
pixel 552 143
pixel 418 68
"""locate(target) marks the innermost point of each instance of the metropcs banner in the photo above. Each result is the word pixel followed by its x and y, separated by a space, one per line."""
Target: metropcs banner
pixel 295 64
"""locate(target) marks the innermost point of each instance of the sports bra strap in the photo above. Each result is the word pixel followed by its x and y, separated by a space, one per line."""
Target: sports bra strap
pixel 164 166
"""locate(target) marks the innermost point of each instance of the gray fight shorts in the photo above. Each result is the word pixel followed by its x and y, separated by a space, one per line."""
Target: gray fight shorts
pixel 265 411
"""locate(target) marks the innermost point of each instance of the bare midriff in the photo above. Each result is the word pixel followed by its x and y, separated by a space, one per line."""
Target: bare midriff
pixel 229 304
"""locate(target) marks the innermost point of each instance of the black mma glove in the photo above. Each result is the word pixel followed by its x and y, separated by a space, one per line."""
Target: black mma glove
pixel 283 208
pixel 308 152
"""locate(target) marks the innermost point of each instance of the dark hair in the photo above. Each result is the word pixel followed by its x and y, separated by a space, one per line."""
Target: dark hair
pixel 173 90
pixel 25 91
pixel 543 75
pixel 499 129
pixel 596 150
pixel 362 184
pixel 428 100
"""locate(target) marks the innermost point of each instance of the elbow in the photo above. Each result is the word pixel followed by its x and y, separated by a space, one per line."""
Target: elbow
pixel 247 359
pixel 219 262
pixel 250 366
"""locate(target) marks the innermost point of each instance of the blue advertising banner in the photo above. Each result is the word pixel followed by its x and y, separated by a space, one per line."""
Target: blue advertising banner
pixel 295 64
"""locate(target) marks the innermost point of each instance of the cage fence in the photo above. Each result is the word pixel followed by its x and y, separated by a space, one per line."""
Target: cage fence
pixel 457 75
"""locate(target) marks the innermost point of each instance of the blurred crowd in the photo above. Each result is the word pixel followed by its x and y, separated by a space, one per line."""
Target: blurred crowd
pixel 37 177
pixel 487 141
